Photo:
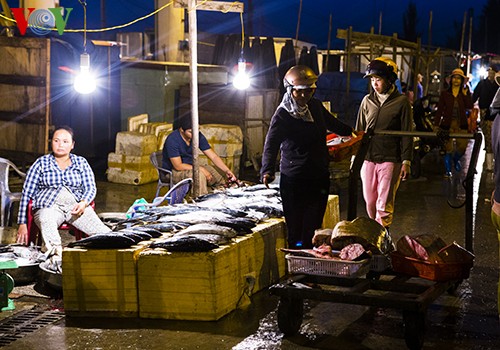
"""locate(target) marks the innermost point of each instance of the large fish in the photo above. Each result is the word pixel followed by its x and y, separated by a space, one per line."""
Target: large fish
pixel 208 228
pixel 104 241
pixel 152 232
pixel 240 225
pixel 185 244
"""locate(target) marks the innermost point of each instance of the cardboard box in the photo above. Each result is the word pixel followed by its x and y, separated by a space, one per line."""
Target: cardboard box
pixel 100 282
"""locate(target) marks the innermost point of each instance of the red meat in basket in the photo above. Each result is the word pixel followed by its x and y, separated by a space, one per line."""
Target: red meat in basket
pixel 343 147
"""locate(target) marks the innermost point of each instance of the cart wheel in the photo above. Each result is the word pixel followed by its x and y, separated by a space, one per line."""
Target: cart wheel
pixel 290 312
pixel 414 329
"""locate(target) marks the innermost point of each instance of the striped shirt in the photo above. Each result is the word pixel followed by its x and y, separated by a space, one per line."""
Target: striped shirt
pixel 45 180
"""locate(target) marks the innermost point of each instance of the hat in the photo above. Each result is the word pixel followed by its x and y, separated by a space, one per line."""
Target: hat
pixel 497 78
pixel 382 67
pixel 459 72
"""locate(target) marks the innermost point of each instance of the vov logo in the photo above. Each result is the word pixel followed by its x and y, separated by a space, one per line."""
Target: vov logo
pixel 41 21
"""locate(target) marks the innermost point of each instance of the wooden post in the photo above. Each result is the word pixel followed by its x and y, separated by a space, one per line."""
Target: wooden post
pixel 193 70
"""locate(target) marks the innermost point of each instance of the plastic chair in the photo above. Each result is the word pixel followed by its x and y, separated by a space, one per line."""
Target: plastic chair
pixel 8 197
pixel 175 195
pixel 165 178
pixel 34 232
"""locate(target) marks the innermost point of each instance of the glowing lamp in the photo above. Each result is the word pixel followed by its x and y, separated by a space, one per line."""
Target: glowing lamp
pixel 85 81
pixel 241 81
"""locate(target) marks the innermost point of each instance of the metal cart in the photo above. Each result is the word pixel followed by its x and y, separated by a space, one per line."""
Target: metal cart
pixel 411 295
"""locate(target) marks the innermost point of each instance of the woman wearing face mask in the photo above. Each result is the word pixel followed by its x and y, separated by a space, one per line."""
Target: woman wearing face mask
pixel 388 158
pixel 298 129
pixel 61 185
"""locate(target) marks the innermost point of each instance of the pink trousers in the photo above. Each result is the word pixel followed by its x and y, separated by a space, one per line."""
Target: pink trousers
pixel 380 183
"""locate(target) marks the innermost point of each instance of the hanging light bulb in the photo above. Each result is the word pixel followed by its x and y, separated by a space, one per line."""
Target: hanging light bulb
pixel 84 81
pixel 241 81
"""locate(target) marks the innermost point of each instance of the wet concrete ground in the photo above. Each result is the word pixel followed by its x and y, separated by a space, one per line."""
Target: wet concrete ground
pixel 466 320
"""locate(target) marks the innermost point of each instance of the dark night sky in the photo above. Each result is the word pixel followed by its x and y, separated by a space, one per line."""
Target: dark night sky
pixel 278 18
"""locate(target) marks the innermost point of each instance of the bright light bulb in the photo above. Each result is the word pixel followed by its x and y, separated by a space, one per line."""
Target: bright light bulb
pixel 483 72
pixel 241 81
pixel 85 81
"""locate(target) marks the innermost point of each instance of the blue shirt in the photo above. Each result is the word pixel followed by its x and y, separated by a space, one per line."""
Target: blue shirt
pixel 175 146
pixel 45 180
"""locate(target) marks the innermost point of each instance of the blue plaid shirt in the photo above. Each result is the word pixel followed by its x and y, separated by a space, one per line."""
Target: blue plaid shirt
pixel 45 180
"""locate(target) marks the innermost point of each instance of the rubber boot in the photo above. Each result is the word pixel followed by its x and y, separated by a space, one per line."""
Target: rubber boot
pixel 456 160
pixel 489 162
pixel 447 164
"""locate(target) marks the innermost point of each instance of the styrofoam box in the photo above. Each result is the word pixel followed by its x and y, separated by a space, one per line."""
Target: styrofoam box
pixel 100 282
pixel 207 286
pixel 132 177
pixel 133 143
pixel 126 162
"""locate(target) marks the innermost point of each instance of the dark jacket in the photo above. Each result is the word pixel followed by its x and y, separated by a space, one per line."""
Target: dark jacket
pixel 394 114
pixel 444 113
pixel 304 153
pixel 485 91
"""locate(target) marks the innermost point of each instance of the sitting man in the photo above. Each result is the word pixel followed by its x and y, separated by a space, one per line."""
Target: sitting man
pixel 178 157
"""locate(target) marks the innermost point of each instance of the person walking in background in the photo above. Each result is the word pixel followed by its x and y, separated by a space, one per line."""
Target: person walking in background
pixel 484 92
pixel 452 112
pixel 495 145
pixel 298 128
pixel 61 186
pixel 420 89
pixel 388 158
pixel 178 157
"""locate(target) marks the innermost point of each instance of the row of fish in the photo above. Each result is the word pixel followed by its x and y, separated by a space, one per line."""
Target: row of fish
pixel 213 220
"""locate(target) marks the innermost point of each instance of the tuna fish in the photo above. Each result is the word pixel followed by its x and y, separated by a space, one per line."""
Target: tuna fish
pixel 185 244
pixel 104 241
pixel 208 229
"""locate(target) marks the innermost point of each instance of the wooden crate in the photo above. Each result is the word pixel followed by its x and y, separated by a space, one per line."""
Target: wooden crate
pixel 100 282
pixel 25 110
pixel 207 286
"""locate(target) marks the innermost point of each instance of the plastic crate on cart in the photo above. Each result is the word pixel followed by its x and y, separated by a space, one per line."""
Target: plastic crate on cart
pixel 326 267
pixel 431 271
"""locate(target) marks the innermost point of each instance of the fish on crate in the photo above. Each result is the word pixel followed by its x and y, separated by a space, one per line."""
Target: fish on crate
pixel 184 244
pixel 208 229
pixel 104 241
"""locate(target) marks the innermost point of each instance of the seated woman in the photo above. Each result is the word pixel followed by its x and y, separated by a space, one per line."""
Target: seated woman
pixel 60 185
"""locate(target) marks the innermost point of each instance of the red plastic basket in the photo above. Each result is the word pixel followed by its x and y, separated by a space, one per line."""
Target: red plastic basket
pixel 344 150
pixel 431 271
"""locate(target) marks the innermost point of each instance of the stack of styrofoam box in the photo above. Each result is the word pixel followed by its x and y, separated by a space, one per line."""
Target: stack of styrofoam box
pixel 227 142
pixel 130 163
pixel 135 121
